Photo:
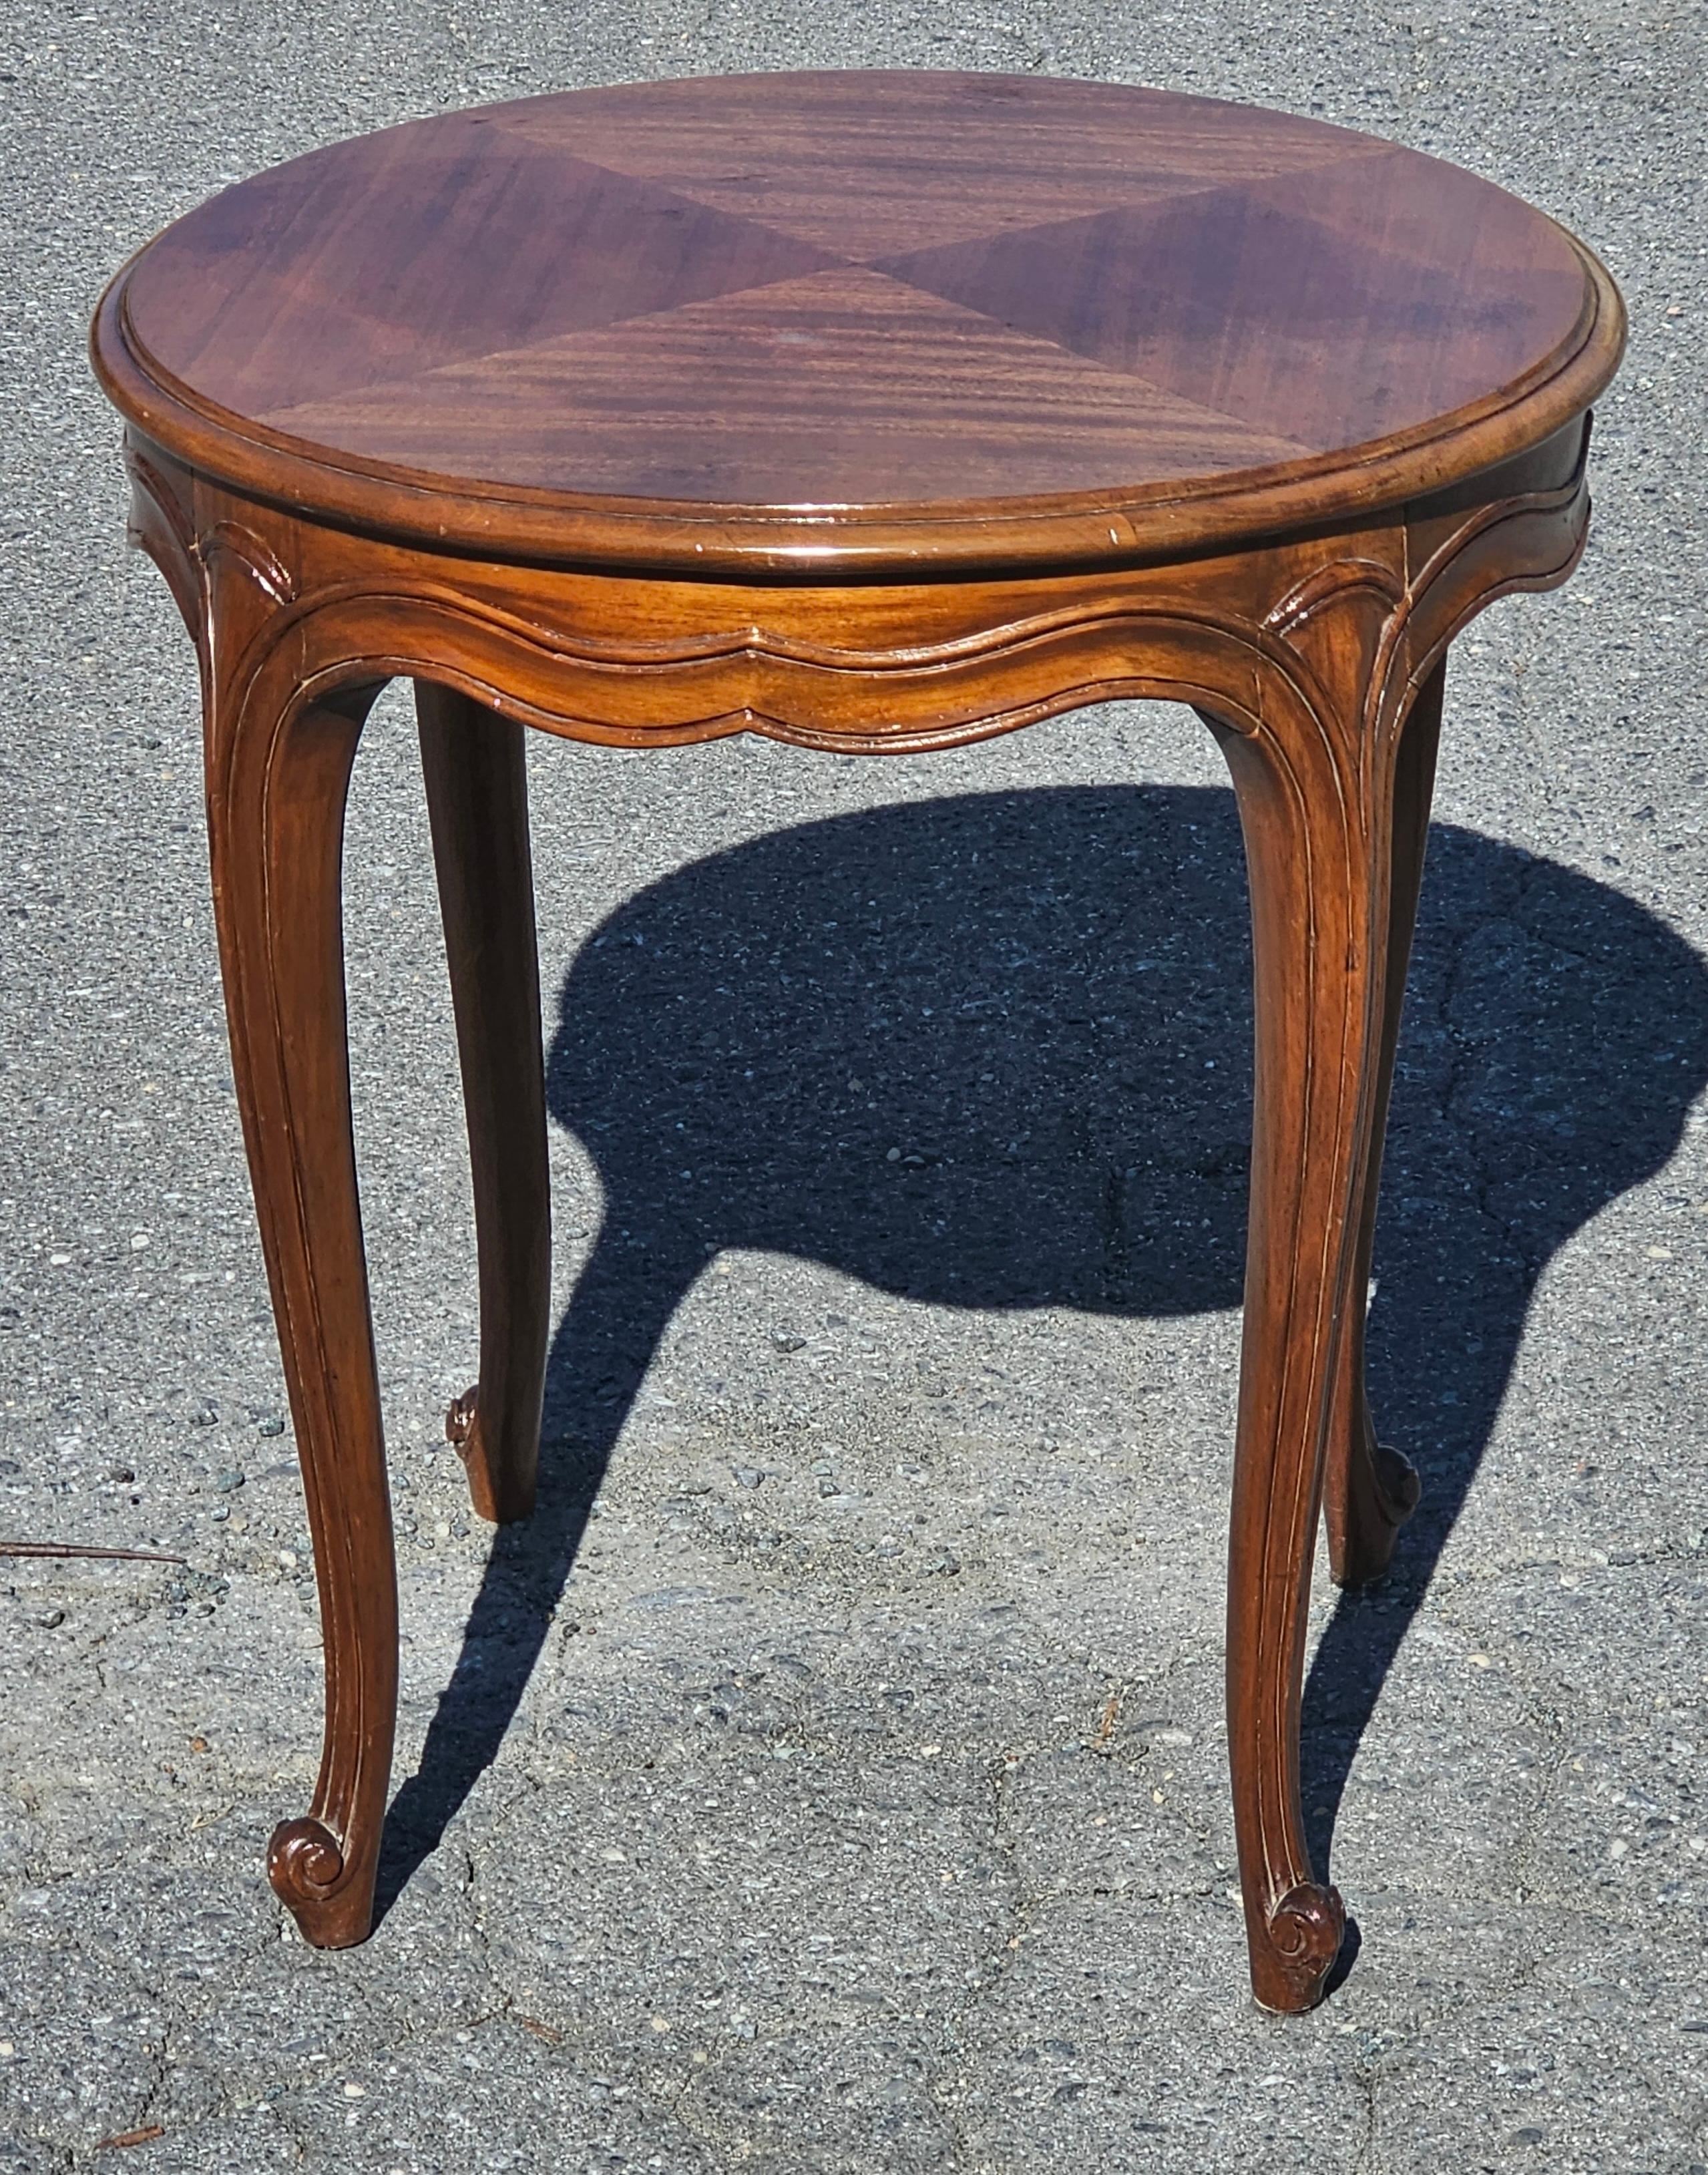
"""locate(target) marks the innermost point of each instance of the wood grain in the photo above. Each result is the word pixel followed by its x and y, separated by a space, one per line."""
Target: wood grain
pixel 919 318
pixel 582 413
pixel 477 803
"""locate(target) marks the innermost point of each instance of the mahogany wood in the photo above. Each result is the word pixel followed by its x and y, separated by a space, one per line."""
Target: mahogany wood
pixel 477 802
pixel 1370 1490
pixel 890 319
pixel 871 412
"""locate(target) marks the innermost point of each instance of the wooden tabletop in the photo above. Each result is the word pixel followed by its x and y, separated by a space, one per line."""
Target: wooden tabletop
pixel 885 318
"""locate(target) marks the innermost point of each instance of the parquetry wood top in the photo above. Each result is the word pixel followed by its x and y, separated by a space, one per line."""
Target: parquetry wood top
pixel 882 317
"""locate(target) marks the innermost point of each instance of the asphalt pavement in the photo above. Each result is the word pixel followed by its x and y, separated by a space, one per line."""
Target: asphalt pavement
pixel 841 1784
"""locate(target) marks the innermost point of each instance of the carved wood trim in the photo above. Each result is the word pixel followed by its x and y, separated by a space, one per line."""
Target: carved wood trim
pixel 1305 653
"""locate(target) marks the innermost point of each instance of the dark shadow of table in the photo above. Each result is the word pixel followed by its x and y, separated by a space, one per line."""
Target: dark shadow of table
pixel 1045 998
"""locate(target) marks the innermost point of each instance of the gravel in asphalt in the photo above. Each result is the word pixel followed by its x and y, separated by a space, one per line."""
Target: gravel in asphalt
pixel 856 1797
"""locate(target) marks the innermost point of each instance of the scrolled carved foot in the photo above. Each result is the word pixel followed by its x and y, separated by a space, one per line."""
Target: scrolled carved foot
pixel 460 1415
pixel 331 1899
pixel 462 1433
pixel 1306 1929
pixel 303 1863
pixel 1398 1488
pixel 501 1495
pixel 1392 1490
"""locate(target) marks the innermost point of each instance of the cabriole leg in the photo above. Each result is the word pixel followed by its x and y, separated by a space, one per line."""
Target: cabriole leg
pixel 1314 809
pixel 1368 1489
pixel 477 798
pixel 276 805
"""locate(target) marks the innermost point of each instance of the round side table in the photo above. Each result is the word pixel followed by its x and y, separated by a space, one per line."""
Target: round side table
pixel 867 411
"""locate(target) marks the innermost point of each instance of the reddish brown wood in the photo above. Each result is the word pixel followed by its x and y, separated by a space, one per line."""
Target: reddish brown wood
pixel 1369 1489
pixel 477 800
pixel 868 412
pixel 275 812
pixel 899 319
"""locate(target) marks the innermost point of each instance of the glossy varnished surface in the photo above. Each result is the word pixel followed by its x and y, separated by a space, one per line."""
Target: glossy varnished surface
pixel 915 299
pixel 534 406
